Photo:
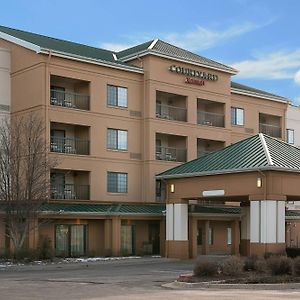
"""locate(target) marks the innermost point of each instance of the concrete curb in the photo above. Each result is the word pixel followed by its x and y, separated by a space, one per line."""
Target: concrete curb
pixel 218 285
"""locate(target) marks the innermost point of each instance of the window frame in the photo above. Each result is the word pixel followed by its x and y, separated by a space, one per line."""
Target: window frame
pixel 116 142
pixel 118 188
pixel 234 116
pixel 287 136
pixel 117 100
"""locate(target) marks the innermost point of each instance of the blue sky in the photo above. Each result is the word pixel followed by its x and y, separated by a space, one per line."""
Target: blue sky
pixel 259 38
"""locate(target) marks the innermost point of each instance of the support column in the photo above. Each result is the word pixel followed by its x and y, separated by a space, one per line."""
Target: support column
pixel 193 229
pixel 245 231
pixel 205 247
pixel 267 226
pixel 108 237
pixel 235 243
pixel 177 244
pixel 116 236
pixel 33 234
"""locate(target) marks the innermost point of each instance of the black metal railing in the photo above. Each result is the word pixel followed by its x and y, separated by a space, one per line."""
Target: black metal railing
pixel 171 112
pixel 272 130
pixel 70 145
pixel 170 154
pixel 69 99
pixel 70 191
pixel 211 119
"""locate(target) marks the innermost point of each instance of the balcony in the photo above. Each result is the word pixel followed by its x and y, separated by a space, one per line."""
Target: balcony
pixel 210 119
pixel 170 154
pixel 271 130
pixel 70 191
pixel 70 185
pixel 210 113
pixel 69 93
pixel 70 145
pixel 205 147
pixel 169 112
pixel 270 125
pixel 69 139
pixel 171 106
pixel 170 147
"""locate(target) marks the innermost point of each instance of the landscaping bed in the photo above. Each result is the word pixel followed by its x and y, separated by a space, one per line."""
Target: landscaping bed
pixel 276 269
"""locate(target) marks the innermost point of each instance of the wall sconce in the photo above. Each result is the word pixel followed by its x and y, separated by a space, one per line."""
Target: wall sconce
pixel 172 187
pixel 259 182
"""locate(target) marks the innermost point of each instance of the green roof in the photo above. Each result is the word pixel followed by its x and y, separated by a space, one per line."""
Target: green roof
pixel 215 210
pixel 259 152
pixel 105 209
pixel 245 88
pixel 292 214
pixel 164 48
pixel 63 46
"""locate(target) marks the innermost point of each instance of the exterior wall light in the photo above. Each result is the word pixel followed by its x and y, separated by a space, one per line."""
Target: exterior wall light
pixel 259 182
pixel 172 187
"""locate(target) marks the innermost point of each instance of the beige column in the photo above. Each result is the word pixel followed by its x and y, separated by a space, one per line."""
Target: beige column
pixel 205 246
pixel 235 237
pixel 33 234
pixel 108 237
pixel 193 228
pixel 116 236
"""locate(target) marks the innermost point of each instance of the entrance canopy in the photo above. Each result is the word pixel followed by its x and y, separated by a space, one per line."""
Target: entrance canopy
pixel 260 172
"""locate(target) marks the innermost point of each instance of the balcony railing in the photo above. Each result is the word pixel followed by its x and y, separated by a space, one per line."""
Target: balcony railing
pixel 210 119
pixel 170 154
pixel 272 130
pixel 170 112
pixel 69 145
pixel 70 100
pixel 70 191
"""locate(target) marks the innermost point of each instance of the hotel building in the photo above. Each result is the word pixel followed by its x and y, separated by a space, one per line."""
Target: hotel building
pixel 115 120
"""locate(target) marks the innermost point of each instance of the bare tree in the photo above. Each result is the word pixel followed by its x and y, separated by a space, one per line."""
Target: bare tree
pixel 24 175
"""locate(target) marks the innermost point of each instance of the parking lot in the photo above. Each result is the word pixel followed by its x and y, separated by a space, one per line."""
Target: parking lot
pixel 126 279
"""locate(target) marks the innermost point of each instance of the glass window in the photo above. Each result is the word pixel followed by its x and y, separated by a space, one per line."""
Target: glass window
pixel 117 139
pixel 210 236
pixel 237 116
pixel 229 236
pixel 116 96
pixel 117 182
pixel 70 240
pixel 290 136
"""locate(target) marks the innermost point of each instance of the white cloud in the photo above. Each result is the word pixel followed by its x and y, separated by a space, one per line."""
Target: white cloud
pixel 203 38
pixel 115 46
pixel 275 65
pixel 197 39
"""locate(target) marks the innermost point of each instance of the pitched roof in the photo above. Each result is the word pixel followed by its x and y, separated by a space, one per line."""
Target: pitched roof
pixel 159 47
pixel 105 209
pixel 240 88
pixel 259 152
pixel 63 46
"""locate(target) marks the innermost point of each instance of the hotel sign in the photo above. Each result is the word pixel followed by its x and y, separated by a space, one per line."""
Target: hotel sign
pixel 193 76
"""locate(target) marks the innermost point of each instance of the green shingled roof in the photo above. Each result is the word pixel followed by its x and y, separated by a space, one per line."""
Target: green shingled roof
pixel 245 88
pixel 161 47
pixel 259 152
pixel 105 209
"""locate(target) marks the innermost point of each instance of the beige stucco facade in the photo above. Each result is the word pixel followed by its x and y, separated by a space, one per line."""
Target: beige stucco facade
pixel 153 137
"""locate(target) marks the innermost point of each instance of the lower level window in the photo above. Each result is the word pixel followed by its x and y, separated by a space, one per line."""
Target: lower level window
pixel 117 182
pixel 70 240
pixel 210 236
pixel 229 236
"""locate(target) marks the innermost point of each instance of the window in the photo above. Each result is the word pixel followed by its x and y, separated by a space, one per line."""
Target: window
pixel 117 139
pixel 210 236
pixel 229 236
pixel 290 136
pixel 70 240
pixel 116 96
pixel 117 182
pixel 237 116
